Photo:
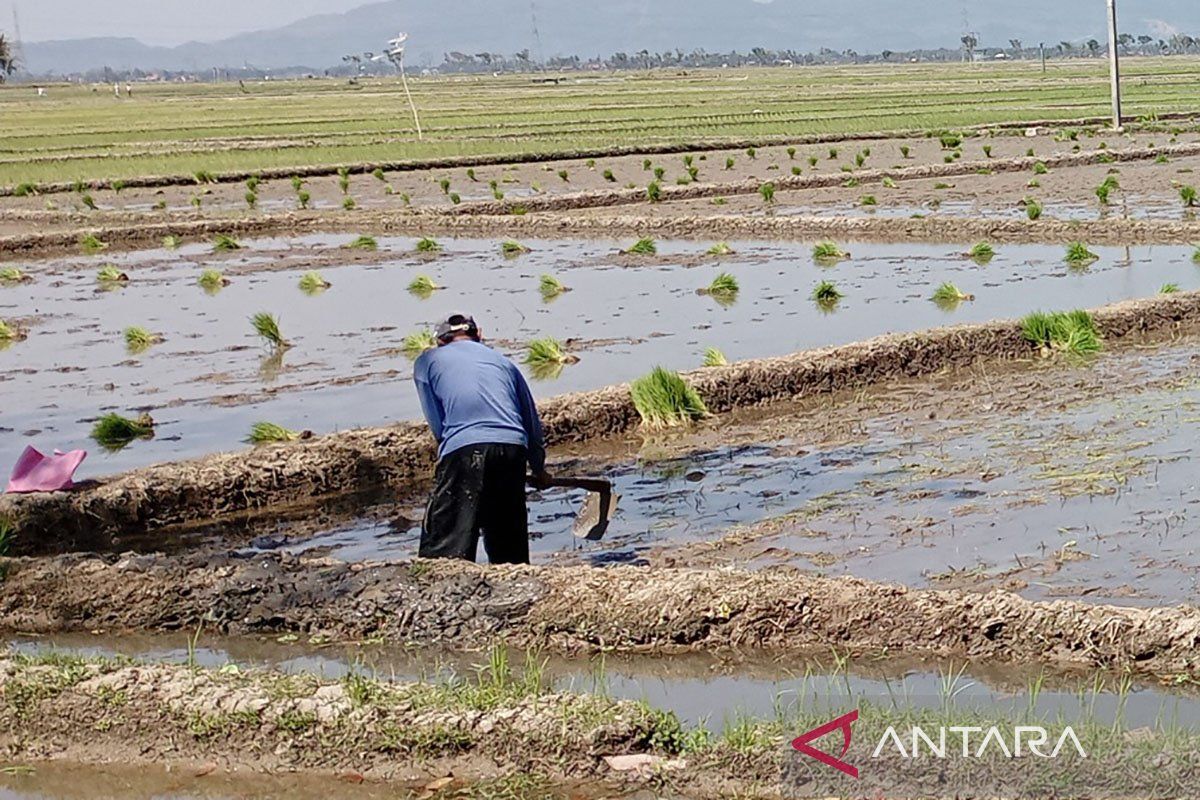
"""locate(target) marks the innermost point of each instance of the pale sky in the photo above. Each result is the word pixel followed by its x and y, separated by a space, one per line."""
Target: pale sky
pixel 159 22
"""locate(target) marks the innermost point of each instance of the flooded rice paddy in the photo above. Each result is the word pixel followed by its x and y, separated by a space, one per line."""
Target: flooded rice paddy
pixel 210 378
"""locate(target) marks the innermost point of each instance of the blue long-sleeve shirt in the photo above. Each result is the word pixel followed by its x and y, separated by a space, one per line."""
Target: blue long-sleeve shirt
pixel 473 395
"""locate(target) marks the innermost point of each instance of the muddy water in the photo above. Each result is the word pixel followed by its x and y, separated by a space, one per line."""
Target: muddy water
pixel 1137 207
pixel 210 379
pixel 1057 487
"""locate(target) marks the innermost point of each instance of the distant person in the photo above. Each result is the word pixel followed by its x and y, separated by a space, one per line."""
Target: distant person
pixel 483 416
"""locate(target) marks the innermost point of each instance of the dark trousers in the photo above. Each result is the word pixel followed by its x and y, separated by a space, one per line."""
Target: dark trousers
pixel 479 489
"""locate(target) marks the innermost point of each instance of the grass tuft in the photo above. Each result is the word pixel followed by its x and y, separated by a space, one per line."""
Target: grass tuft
pixel 714 358
pixel 267 326
pixel 1078 253
pixel 1062 331
pixel 767 191
pixel 826 294
pixel 114 432
pixel 664 399
pixel 363 243
pixel 642 247
pixel 1187 194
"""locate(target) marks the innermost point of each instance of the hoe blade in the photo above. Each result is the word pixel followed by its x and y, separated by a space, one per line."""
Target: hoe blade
pixel 591 523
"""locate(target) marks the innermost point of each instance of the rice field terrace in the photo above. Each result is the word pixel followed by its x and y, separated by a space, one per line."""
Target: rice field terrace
pixel 893 370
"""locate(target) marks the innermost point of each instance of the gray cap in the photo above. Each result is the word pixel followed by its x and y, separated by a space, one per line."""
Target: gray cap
pixel 456 324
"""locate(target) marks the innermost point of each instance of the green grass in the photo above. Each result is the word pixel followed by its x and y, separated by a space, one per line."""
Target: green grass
pixel 427 246
pixel 714 358
pixel 417 343
pixel 109 274
pixel 12 275
pixel 1078 254
pixel 1169 288
pixel 1062 331
pixel 642 247
pixel 267 327
pixel 363 243
pixel 138 339
pixel 828 252
pixel 422 286
pixel 982 253
pixel 664 399
pixel 312 282
pixel 550 287
pixel 826 294
pixel 223 243
pixel 720 249
pixel 114 432
pixel 270 433
pixel 511 249
pixel 211 280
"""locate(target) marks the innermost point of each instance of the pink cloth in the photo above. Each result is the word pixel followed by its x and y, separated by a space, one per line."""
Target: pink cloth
pixel 35 472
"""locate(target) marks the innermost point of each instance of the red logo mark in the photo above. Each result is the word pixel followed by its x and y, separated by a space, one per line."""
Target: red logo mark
pixel 801 743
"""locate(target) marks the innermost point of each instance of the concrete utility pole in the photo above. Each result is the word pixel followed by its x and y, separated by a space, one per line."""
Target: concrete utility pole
pixel 1114 60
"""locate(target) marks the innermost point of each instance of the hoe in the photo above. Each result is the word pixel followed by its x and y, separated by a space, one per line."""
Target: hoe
pixel 591 522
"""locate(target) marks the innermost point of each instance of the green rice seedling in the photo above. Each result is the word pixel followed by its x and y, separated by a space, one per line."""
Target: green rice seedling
pixel 1162 159
pixel 1102 193
pixel 828 252
pixel 497 195
pixel 114 432
pixel 826 294
pixel 948 296
pixel 312 282
pixel 609 176
pixel 869 200
pixel 889 182
pixel 646 164
pixel 1078 253
pixel 982 253
pixel 1029 153
pixel 171 242
pixel 550 287
pixel 423 286
pixel 833 154
pixel 13 275
pixel 111 275
pixel 349 204
pixel 211 280
pixel 724 289
pixel 564 176
pixel 664 399
pixel 251 200
pixel 642 247
pixel 654 192
pixel 950 141
pixel 138 338
pixel 751 153
pixel 417 343
pixel 428 246
pixel 1187 194
pixel 253 182
pixel 363 243
pixel 904 151
pixel 297 183
pixel 511 248
pixel 659 173
pixel 118 186
pixel 714 358
pixel 303 198
pixel 379 175
pixel 797 171
pixel 88 201
pixel 548 353
pixel 267 327
pixel 694 173
pixel 344 179
pixel 1062 331
pixel 25 190
pixel 688 160
pixel 204 176
pixel 591 163
pixel 1040 168
pixel 720 249
pixel 729 162
pixel 445 184
pixel 767 190
pixel 196 201
pixel 859 160
pixel 1033 209
pixel 948 159
pixel 10 333
pixel 812 161
pixel 455 198
pixel 1169 288
pixel 987 151
pixel 270 433
pixel 225 243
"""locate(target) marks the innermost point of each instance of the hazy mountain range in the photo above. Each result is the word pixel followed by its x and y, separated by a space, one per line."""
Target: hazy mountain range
pixel 601 27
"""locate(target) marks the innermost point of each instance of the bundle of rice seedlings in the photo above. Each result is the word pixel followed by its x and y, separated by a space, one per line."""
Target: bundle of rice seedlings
pixel 88 201
pixel 303 198
pixel 297 183
pixel 270 433
pixel 752 153
pixel 767 191
pixel 828 252
pixel 13 275
pixel 114 432
pixel 1169 288
pixel 25 190
pixel 660 173
pixel 90 243
pixel 714 358
pixel 729 162
pixel 647 164
pixel 349 203
pixel 10 333
pixel 888 182
pixel 110 274
pixel 266 326
pixel 654 192
pixel 663 399
pixel 382 178
pixel 791 151
pixel 550 287
pixel 417 343
pixel 225 243
pixel 982 253
pixel 949 296
pixel 171 242
pixel 423 286
pixel 471 175
pixel 1039 168
pixel 548 352
pixel 1033 209
pixel 1188 195
pixel 312 282
pixel 724 287
pixel 138 338
pixel 1196 256
pixel 826 293
pixel 642 247
pixel 609 176
pixel 203 176
pixel 428 246
pixel 251 200
pixel 720 249
pixel 456 198
pixel 253 182
pixel 1078 253
pixel 869 200
pixel 196 201
pixel 566 176
pixel 211 280
pixel 812 161
pixel 344 180
pixel 1062 331
pixel 511 248
pixel 364 243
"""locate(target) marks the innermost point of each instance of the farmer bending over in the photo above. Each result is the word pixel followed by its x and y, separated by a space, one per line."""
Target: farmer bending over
pixel 482 414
